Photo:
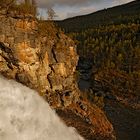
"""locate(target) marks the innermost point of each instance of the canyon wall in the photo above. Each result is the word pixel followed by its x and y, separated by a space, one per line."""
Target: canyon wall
pixel 43 62
pixel 44 59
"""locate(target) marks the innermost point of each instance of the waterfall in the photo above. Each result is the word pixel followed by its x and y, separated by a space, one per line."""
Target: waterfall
pixel 24 115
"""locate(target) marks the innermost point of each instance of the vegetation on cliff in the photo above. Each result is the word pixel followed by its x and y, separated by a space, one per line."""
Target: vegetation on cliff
pixel 23 8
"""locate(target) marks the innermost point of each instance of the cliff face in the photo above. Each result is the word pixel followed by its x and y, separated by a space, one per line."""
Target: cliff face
pixel 45 59
pixel 46 63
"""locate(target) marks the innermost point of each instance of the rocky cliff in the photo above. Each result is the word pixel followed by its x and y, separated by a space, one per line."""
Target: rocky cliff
pixel 45 59
pixel 43 62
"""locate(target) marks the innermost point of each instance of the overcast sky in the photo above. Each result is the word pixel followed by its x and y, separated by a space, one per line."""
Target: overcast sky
pixel 70 8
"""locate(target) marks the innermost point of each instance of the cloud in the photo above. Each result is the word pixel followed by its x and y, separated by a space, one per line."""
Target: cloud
pixel 75 3
pixel 70 8
pixel 48 3
pixel 95 6
pixel 118 2
pixel 82 11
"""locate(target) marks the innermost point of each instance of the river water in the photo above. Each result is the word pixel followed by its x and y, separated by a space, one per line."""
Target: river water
pixel 85 69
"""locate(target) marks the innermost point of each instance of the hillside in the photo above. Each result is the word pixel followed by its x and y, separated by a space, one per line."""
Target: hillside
pixel 109 40
pixel 114 15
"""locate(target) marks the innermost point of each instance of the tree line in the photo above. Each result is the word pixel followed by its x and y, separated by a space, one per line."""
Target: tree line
pixel 115 50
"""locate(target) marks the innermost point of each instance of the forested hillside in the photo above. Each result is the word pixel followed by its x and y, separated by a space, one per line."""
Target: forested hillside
pixel 111 37
pixel 115 15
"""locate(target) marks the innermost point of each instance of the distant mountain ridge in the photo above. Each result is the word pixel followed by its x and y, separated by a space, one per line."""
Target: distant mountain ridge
pixel 102 17
pixel 110 39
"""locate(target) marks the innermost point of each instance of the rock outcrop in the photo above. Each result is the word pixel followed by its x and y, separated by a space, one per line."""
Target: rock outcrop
pixel 46 63
pixel 45 59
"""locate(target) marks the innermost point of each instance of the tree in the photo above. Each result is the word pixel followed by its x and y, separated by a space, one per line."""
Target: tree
pixel 51 14
pixel 34 7
pixel 6 4
pixel 27 7
pixel 27 1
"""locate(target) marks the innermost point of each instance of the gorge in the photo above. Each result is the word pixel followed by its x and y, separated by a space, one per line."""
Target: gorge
pixel 40 56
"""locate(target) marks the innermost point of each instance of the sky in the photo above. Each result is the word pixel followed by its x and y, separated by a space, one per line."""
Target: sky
pixel 70 8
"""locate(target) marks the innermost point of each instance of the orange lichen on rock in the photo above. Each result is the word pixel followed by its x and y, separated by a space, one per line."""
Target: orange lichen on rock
pixel 25 53
pixel 26 25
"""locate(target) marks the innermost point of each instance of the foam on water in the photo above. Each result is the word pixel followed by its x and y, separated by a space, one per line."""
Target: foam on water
pixel 24 115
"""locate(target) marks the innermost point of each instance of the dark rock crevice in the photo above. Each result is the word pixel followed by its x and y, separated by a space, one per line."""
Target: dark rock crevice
pixel 54 55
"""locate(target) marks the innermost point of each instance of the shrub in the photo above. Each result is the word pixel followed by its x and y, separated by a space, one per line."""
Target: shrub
pixel 23 8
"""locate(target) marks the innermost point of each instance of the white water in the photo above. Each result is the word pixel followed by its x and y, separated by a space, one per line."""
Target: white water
pixel 24 115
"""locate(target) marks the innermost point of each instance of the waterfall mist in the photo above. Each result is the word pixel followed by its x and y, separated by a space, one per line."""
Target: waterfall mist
pixel 24 115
